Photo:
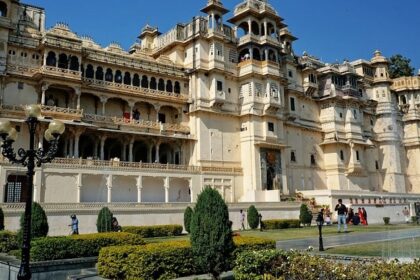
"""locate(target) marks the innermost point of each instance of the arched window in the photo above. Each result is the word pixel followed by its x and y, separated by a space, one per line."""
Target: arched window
pixel 243 29
pixel 177 88
pixel 3 9
pixel 118 77
pixel 99 73
pixel 244 55
pixel 272 56
pixel 169 86
pixel 153 83
pixel 161 85
pixel 255 28
pixel 136 80
pixel 108 75
pixel 403 99
pixel 51 59
pixel 89 72
pixel 256 54
pixel 74 63
pixel 127 78
pixel 144 82
pixel 63 61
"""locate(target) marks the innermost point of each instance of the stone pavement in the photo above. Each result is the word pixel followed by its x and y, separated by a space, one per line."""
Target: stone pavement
pixel 349 238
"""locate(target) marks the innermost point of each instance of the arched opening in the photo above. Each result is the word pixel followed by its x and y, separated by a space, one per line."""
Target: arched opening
pixel 169 86
pixel 74 63
pixel 161 85
pixel 90 103
pixel 272 55
pixel 255 28
pixel 177 88
pixel 140 151
pixel 256 54
pixel 108 75
pixel 3 9
pixel 118 77
pixel 87 147
pixel 144 82
pixel 403 100
pixel 116 107
pixel 165 153
pixel 63 61
pixel 147 111
pixel 179 190
pixel 136 80
pixel 51 59
pixel 168 114
pixel 57 96
pixel 218 21
pixel 153 83
pixel 244 55
pixel 89 71
pixel 113 149
pixel 243 29
pixel 153 190
pixel 99 75
pixel 127 78
pixel 271 31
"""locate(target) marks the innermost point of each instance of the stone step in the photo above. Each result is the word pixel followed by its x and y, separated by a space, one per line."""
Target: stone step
pixel 86 274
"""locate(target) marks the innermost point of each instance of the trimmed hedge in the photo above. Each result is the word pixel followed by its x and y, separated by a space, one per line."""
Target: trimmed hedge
pixel 253 218
pixel 78 246
pixel 154 231
pixel 281 224
pixel 166 260
pixel 8 241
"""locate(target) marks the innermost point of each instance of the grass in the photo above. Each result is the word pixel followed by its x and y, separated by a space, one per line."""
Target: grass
pixel 395 248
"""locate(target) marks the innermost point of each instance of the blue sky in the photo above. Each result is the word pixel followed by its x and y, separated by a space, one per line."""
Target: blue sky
pixel 332 30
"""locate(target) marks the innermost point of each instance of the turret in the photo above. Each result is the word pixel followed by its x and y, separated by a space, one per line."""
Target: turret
pixel 215 11
pixel 147 36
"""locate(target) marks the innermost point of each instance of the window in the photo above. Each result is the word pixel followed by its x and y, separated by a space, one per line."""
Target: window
pixel 3 9
pixel 108 75
pixel 293 156
pixel 162 118
pixel 89 71
pixel 341 155
pixel 341 115
pixel 219 86
pixel 292 104
pixel 312 78
pixel 357 156
pixel 290 73
pixel 271 126
pixel 355 114
pixel 118 77
pixel 313 162
pixel 20 85
pixel 376 165
pixel 161 85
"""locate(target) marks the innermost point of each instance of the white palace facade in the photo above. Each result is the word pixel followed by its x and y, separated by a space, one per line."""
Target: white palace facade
pixel 220 102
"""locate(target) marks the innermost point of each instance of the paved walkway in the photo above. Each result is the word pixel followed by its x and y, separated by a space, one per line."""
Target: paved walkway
pixel 348 238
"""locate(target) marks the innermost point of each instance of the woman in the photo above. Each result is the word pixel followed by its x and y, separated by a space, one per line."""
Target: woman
pixel 362 218
pixel 350 215
pixel 364 215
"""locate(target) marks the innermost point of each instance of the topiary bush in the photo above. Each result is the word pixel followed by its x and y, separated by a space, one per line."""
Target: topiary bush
pixel 104 221
pixel 386 220
pixel 211 233
pixel 305 216
pixel 39 223
pixel 187 219
pixel 253 219
pixel 281 224
pixel 155 231
pixel 1 219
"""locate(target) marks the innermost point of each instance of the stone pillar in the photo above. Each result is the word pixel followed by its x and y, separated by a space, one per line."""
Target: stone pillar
pixel 131 105
pixel 191 190
pixel 157 108
pixel 103 101
pixel 130 151
pixel 37 181
pixel 149 153
pixel 78 187
pixel 44 88
pixel 109 188
pixel 76 144
pixel 157 158
pixel 71 147
pixel 249 26
pixel 102 153
pixel 139 185
pixel 265 29
pixel 78 93
pixel 166 186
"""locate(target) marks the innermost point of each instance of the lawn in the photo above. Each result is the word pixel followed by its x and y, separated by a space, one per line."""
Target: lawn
pixel 390 249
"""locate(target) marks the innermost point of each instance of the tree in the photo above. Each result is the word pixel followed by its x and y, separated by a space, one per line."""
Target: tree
pixel 187 219
pixel 211 233
pixel 253 219
pixel 104 221
pixel 305 215
pixel 1 219
pixel 399 66
pixel 39 222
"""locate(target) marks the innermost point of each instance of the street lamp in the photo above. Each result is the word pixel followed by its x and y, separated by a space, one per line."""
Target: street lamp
pixel 29 158
pixel 320 223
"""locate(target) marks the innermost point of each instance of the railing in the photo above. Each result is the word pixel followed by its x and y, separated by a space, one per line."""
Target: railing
pixel 46 110
pixel 56 71
pixel 406 83
pixel 28 70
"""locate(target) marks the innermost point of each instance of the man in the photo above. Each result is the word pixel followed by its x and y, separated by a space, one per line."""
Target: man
pixel 242 219
pixel 341 215
pixel 406 214
pixel 74 225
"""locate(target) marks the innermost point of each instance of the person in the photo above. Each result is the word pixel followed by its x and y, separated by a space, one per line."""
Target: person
pixel 341 215
pixel 261 221
pixel 328 219
pixel 350 215
pixel 362 219
pixel 74 224
pixel 320 217
pixel 406 214
pixel 242 217
pixel 356 219
pixel 136 114
pixel 364 213
pixel 115 226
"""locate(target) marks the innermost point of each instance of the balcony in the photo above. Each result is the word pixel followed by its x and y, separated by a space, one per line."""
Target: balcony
pixel 252 66
pixel 217 98
pixel 311 89
pixel 406 83
pixel 57 72
pixel 18 111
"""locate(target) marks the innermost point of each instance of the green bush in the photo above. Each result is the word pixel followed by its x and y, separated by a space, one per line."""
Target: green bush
pixel 305 216
pixel 104 221
pixel 211 233
pixel 155 231
pixel 78 246
pixel 1 219
pixel 39 225
pixel 281 224
pixel 8 241
pixel 187 219
pixel 165 260
pixel 253 219
pixel 386 220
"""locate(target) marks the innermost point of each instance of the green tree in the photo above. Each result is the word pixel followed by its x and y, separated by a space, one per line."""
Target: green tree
pixel 305 215
pixel 1 219
pixel 187 219
pixel 211 233
pixel 104 221
pixel 39 222
pixel 253 219
pixel 399 66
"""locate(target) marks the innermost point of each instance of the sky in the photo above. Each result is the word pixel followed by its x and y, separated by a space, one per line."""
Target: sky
pixel 332 30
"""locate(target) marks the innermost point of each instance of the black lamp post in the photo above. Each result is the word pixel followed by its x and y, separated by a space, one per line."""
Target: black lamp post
pixel 29 158
pixel 320 223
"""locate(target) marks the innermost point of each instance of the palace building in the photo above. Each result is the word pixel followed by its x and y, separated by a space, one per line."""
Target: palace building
pixel 217 101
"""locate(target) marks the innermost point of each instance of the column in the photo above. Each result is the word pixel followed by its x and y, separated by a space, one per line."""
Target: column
pixel 157 153
pixel 249 26
pixel 130 151
pixel 265 29
pixel 131 105
pixel 76 144
pixel 166 185
pixel 78 187
pixel 78 93
pixel 191 190
pixel 43 90
pixel 103 101
pixel 102 153
pixel 139 185
pixel 109 188
pixel 71 147
pixel 149 153
pixel 157 109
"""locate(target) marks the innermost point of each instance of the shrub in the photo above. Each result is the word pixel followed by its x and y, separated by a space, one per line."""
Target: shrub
pixel 8 241
pixel 1 219
pixel 253 219
pixel 187 218
pixel 211 233
pixel 39 226
pixel 248 243
pixel 305 216
pixel 414 219
pixel 78 246
pixel 104 221
pixel 386 220
pixel 155 231
pixel 281 224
